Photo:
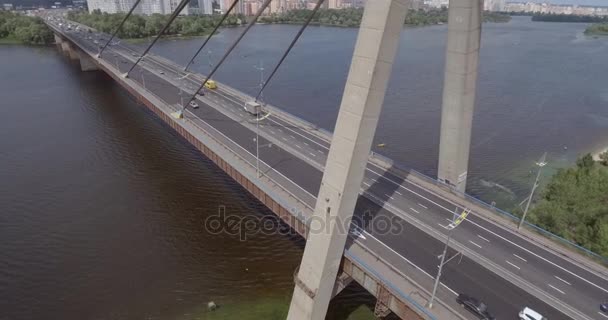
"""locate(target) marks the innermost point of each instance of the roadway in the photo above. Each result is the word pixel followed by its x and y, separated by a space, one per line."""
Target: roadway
pixel 420 216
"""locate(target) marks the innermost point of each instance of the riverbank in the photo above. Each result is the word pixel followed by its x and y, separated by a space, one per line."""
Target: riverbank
pixel 140 27
pixel 596 155
pixel 351 17
pixel 19 29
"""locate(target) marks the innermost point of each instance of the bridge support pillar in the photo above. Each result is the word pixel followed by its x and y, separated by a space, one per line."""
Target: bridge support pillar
pixel 461 63
pixel 362 100
pixel 68 50
pixel 86 62
pixel 58 39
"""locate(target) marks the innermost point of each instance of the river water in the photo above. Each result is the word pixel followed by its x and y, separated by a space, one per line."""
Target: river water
pixel 102 207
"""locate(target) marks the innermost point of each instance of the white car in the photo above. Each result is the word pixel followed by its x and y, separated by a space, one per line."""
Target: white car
pixel 194 105
pixel 529 314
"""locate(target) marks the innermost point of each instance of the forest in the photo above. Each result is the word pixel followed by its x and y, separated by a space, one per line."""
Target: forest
pixel 18 28
pixel 351 17
pixel 139 26
pixel 574 204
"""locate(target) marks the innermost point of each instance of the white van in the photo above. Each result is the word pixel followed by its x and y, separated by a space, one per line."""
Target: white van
pixel 253 107
pixel 529 314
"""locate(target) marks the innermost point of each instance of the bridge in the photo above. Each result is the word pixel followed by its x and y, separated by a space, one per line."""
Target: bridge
pixel 400 218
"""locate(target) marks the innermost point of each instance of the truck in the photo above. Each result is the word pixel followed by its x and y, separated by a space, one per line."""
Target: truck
pixel 253 107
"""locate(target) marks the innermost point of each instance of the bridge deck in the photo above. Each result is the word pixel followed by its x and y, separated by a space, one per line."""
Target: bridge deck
pixel 402 258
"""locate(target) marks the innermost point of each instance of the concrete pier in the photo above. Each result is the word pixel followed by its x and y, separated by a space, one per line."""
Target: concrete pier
pixel 461 63
pixel 362 100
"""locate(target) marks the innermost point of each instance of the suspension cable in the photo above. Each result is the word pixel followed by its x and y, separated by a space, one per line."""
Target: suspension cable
pixel 119 26
pixel 174 15
pixel 251 23
pixel 212 33
pixel 293 42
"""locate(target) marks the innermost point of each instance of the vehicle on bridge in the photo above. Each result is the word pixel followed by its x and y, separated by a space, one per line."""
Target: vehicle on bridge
pixel 210 84
pixel 194 105
pixel 479 308
pixel 253 107
pixel 529 314
pixel 604 307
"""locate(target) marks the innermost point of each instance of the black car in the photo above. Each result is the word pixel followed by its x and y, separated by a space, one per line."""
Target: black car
pixel 604 307
pixel 479 308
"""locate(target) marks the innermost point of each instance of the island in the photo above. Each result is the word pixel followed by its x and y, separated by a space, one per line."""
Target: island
pixel 548 17
pixel 140 26
pixel 351 17
pixel 20 29
pixel 597 29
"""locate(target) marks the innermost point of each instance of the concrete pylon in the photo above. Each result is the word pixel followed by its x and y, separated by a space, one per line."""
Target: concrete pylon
pixel 86 62
pixel 362 100
pixel 460 82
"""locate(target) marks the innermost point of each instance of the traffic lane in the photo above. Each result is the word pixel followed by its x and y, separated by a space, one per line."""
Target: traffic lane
pixel 479 242
pixel 514 241
pixel 504 299
pixel 289 165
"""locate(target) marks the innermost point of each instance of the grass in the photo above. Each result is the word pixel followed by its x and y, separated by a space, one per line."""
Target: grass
pixel 10 40
pixel 267 308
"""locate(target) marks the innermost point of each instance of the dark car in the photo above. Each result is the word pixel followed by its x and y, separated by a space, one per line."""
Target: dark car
pixel 604 307
pixel 479 308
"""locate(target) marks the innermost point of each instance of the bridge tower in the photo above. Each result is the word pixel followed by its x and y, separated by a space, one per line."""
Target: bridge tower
pixel 460 81
pixel 362 100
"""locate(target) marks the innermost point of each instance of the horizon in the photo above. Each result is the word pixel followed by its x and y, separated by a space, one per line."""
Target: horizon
pixel 598 3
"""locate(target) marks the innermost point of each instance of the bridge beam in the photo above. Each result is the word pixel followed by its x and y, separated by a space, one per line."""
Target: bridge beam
pixel 69 50
pixel 86 62
pixel 362 100
pixel 461 63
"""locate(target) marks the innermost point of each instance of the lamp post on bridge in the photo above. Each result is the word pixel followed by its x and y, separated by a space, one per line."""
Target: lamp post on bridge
pixel 541 163
pixel 455 223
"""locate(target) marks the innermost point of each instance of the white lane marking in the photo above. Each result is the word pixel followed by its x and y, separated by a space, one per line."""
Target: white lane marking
pixel 514 266
pixel 445 227
pixel 562 280
pixel 489 231
pixel 320 151
pixel 520 258
pixel 367 184
pixel 408 261
pixel 420 204
pixel 556 289
pixel 475 244
pixel 312 154
pixel 291 135
pixel 399 193
pixel 486 240
pixel 271 131
pixel 414 210
pixel 603 315
pixel 297 145
pixel 284 138
pixel 389 196
pixel 306 143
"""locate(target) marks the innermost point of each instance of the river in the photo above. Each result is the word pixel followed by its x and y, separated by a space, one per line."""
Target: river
pixel 102 206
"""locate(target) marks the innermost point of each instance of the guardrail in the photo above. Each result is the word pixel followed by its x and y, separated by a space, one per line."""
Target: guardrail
pixel 388 163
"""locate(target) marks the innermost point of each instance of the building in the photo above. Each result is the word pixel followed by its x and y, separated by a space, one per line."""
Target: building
pixel 494 5
pixel 146 7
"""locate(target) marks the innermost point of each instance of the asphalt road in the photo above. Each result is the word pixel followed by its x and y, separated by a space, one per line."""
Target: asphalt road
pixel 299 156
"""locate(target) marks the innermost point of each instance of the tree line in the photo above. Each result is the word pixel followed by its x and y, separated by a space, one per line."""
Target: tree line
pixel 24 29
pixel 140 26
pixel 549 17
pixel 351 17
pixel 574 204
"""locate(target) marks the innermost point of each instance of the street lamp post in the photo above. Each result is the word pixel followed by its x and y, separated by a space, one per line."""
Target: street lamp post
pixel 451 228
pixel 541 163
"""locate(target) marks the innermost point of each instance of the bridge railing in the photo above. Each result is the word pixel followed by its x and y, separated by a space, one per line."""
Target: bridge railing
pixel 388 163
